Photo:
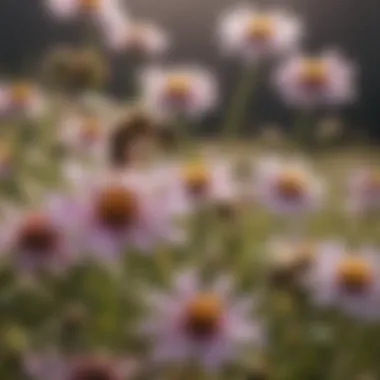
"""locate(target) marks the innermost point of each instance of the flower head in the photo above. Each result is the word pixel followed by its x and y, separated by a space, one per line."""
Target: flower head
pixel 327 79
pixel 253 34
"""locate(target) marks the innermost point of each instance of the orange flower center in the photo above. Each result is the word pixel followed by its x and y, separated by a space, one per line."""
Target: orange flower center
pixel 196 179
pixel 260 28
pixel 20 93
pixel 116 207
pixel 372 184
pixel 354 275
pixel 178 87
pixel 313 73
pixel 89 5
pixel 90 130
pixel 202 316
pixel 37 234
pixel 291 186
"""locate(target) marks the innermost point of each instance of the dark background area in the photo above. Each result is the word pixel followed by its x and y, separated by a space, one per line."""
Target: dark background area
pixel 27 33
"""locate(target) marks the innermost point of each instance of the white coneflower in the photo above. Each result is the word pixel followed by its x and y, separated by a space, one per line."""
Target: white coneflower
pixel 181 90
pixel 254 34
pixel 345 280
pixel 207 325
pixel 321 80
pixel 288 187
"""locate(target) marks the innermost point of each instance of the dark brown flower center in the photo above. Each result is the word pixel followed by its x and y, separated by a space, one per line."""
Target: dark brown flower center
pixel 354 275
pixel 116 207
pixel 37 234
pixel 92 369
pixel 291 186
pixel 202 316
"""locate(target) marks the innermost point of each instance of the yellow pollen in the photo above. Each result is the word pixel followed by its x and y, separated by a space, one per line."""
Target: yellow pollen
pixel 196 178
pixel 260 28
pixel 116 207
pixel 178 86
pixel 354 274
pixel 89 5
pixel 203 315
pixel 20 93
pixel 291 185
pixel 313 72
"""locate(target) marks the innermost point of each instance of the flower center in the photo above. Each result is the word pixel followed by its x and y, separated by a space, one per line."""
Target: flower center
pixel 304 255
pixel 196 179
pixel 291 186
pixel 203 316
pixel 354 275
pixel 260 28
pixel 136 37
pixel 89 5
pixel 90 369
pixel 116 207
pixel 178 87
pixel 372 184
pixel 20 93
pixel 313 73
pixel 90 130
pixel 37 234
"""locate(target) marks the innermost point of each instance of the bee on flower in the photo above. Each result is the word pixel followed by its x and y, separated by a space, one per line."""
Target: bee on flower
pixel 288 187
pixel 57 366
pixel 289 259
pixel 254 34
pixel 21 98
pixel 345 280
pixel 189 91
pixel 115 212
pixel 317 80
pixel 37 240
pixel 364 191
pixel 205 324
pixel 141 38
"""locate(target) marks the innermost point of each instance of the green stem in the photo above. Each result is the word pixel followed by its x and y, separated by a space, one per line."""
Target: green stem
pixel 236 110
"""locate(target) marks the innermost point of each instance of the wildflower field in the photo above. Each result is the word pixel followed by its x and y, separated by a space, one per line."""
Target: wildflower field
pixel 133 248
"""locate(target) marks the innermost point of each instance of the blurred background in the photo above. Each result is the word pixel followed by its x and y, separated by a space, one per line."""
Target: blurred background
pixel 26 33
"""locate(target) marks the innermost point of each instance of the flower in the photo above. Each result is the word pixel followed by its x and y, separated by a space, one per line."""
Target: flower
pixel 114 212
pixel 348 281
pixel 37 240
pixel 79 367
pixel 83 134
pixel 364 191
pixel 288 187
pixel 21 98
pixel 181 90
pixel 6 160
pixel 309 81
pixel 208 325
pixel 253 34
pixel 104 11
pixel 140 37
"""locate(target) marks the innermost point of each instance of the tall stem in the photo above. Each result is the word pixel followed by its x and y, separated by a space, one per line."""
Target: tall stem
pixel 236 110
